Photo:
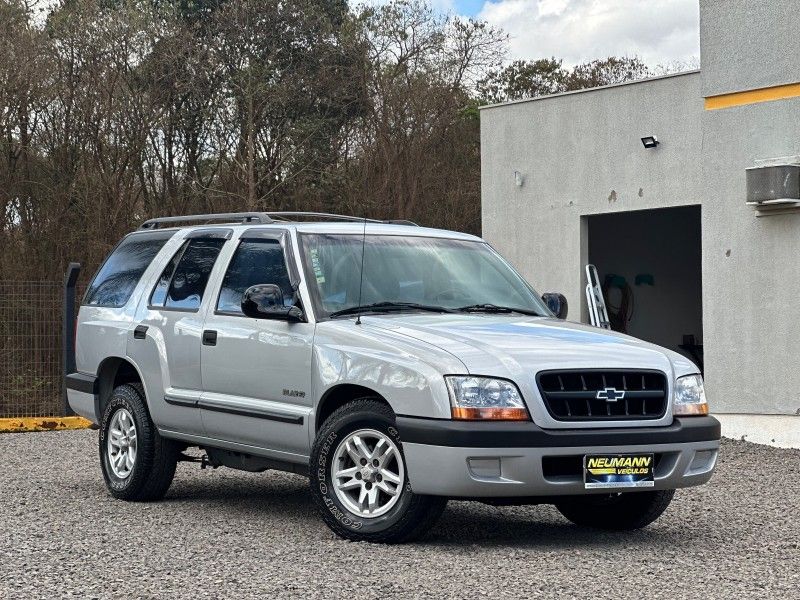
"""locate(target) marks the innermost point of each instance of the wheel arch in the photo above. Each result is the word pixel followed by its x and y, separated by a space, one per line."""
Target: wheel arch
pixel 114 371
pixel 338 396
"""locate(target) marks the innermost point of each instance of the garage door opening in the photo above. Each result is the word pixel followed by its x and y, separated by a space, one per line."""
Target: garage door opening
pixel 649 262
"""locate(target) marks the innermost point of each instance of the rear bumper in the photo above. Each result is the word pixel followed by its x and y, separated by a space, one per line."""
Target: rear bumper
pixel 474 460
pixel 82 395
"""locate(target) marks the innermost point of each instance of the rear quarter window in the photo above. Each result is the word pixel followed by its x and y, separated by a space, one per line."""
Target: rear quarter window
pixel 114 283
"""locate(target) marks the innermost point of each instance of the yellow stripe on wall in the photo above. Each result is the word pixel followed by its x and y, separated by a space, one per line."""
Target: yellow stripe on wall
pixel 777 92
pixel 20 424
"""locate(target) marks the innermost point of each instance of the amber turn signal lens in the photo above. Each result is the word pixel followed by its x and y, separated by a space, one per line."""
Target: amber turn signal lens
pixel 686 410
pixel 489 414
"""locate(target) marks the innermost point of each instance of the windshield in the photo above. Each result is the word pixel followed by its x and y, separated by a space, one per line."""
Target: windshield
pixel 412 273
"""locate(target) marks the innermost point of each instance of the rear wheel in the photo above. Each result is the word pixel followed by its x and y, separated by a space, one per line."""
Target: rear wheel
pixel 619 512
pixel 359 479
pixel 137 463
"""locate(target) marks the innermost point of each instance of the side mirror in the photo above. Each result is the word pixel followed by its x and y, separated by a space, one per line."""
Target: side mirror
pixel 557 303
pixel 265 301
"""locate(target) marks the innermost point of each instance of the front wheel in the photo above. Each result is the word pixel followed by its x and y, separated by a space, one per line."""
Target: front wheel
pixel 359 479
pixel 620 512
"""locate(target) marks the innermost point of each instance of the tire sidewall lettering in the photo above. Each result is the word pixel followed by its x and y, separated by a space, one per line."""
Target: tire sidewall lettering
pixel 322 469
pixel 396 436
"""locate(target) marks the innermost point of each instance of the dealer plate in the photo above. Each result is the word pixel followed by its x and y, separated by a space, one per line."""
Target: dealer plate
pixel 602 471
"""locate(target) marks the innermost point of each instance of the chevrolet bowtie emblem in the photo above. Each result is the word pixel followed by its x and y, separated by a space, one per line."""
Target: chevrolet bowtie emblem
pixel 610 394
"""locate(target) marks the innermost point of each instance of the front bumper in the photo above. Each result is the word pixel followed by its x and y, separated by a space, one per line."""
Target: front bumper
pixel 508 459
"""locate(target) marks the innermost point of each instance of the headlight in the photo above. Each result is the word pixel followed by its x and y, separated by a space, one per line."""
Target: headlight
pixel 690 397
pixel 473 398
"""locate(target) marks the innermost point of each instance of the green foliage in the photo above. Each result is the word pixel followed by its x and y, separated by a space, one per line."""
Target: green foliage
pixel 529 79
pixel 524 79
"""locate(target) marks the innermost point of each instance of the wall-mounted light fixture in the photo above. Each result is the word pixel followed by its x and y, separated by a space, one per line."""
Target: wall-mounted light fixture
pixel 650 141
pixel 518 179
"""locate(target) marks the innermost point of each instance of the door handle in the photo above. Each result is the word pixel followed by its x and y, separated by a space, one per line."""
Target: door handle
pixel 140 332
pixel 209 337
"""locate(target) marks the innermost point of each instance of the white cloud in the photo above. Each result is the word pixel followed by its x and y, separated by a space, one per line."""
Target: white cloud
pixel 657 31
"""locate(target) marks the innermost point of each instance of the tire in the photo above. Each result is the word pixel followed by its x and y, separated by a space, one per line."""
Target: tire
pixel 153 463
pixel 406 515
pixel 617 512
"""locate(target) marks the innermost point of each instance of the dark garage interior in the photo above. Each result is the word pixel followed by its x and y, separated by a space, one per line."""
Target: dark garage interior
pixel 649 262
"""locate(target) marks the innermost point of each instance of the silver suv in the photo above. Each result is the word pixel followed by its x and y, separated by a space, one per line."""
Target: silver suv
pixel 395 366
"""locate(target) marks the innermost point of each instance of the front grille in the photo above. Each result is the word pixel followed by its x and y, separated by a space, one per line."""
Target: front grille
pixel 603 395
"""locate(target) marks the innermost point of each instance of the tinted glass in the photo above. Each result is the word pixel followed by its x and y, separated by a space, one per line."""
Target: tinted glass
pixel 159 294
pixel 255 262
pixel 191 274
pixel 432 271
pixel 117 278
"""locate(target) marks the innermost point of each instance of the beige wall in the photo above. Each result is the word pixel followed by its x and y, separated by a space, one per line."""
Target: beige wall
pixel 580 154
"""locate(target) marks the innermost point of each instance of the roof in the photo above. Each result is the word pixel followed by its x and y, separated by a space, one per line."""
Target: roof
pixel 339 224
pixel 589 90
pixel 375 229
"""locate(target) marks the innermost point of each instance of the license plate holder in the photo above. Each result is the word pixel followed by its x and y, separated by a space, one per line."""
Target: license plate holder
pixel 618 471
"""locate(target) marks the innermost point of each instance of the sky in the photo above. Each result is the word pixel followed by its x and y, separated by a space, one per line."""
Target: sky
pixel 659 32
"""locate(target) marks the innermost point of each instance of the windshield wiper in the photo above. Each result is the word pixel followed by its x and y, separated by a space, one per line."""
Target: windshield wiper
pixel 389 307
pixel 493 308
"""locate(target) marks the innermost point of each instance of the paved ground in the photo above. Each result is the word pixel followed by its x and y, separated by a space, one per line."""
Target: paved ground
pixel 228 534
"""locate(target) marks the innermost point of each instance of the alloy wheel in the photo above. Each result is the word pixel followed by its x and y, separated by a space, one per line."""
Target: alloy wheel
pixel 121 447
pixel 367 472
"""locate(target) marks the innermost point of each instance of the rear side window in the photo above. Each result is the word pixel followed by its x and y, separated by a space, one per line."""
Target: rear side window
pixel 255 262
pixel 159 294
pixel 117 278
pixel 183 282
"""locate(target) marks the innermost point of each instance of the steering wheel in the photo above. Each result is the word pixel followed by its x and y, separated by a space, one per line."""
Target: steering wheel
pixel 449 293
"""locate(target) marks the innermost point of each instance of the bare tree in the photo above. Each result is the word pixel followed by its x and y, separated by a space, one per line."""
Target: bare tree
pixel 418 142
pixel 112 112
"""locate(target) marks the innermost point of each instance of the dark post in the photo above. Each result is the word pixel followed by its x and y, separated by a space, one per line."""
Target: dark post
pixel 68 329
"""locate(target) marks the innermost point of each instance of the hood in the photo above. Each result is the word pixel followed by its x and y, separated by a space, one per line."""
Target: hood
pixel 513 346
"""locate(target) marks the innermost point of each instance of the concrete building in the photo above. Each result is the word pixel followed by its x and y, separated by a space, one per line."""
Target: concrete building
pixel 566 181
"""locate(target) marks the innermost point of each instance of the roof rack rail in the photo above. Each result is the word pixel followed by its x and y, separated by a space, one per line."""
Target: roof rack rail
pixel 336 217
pixel 288 214
pixel 244 217
pixel 401 222
pixel 265 217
